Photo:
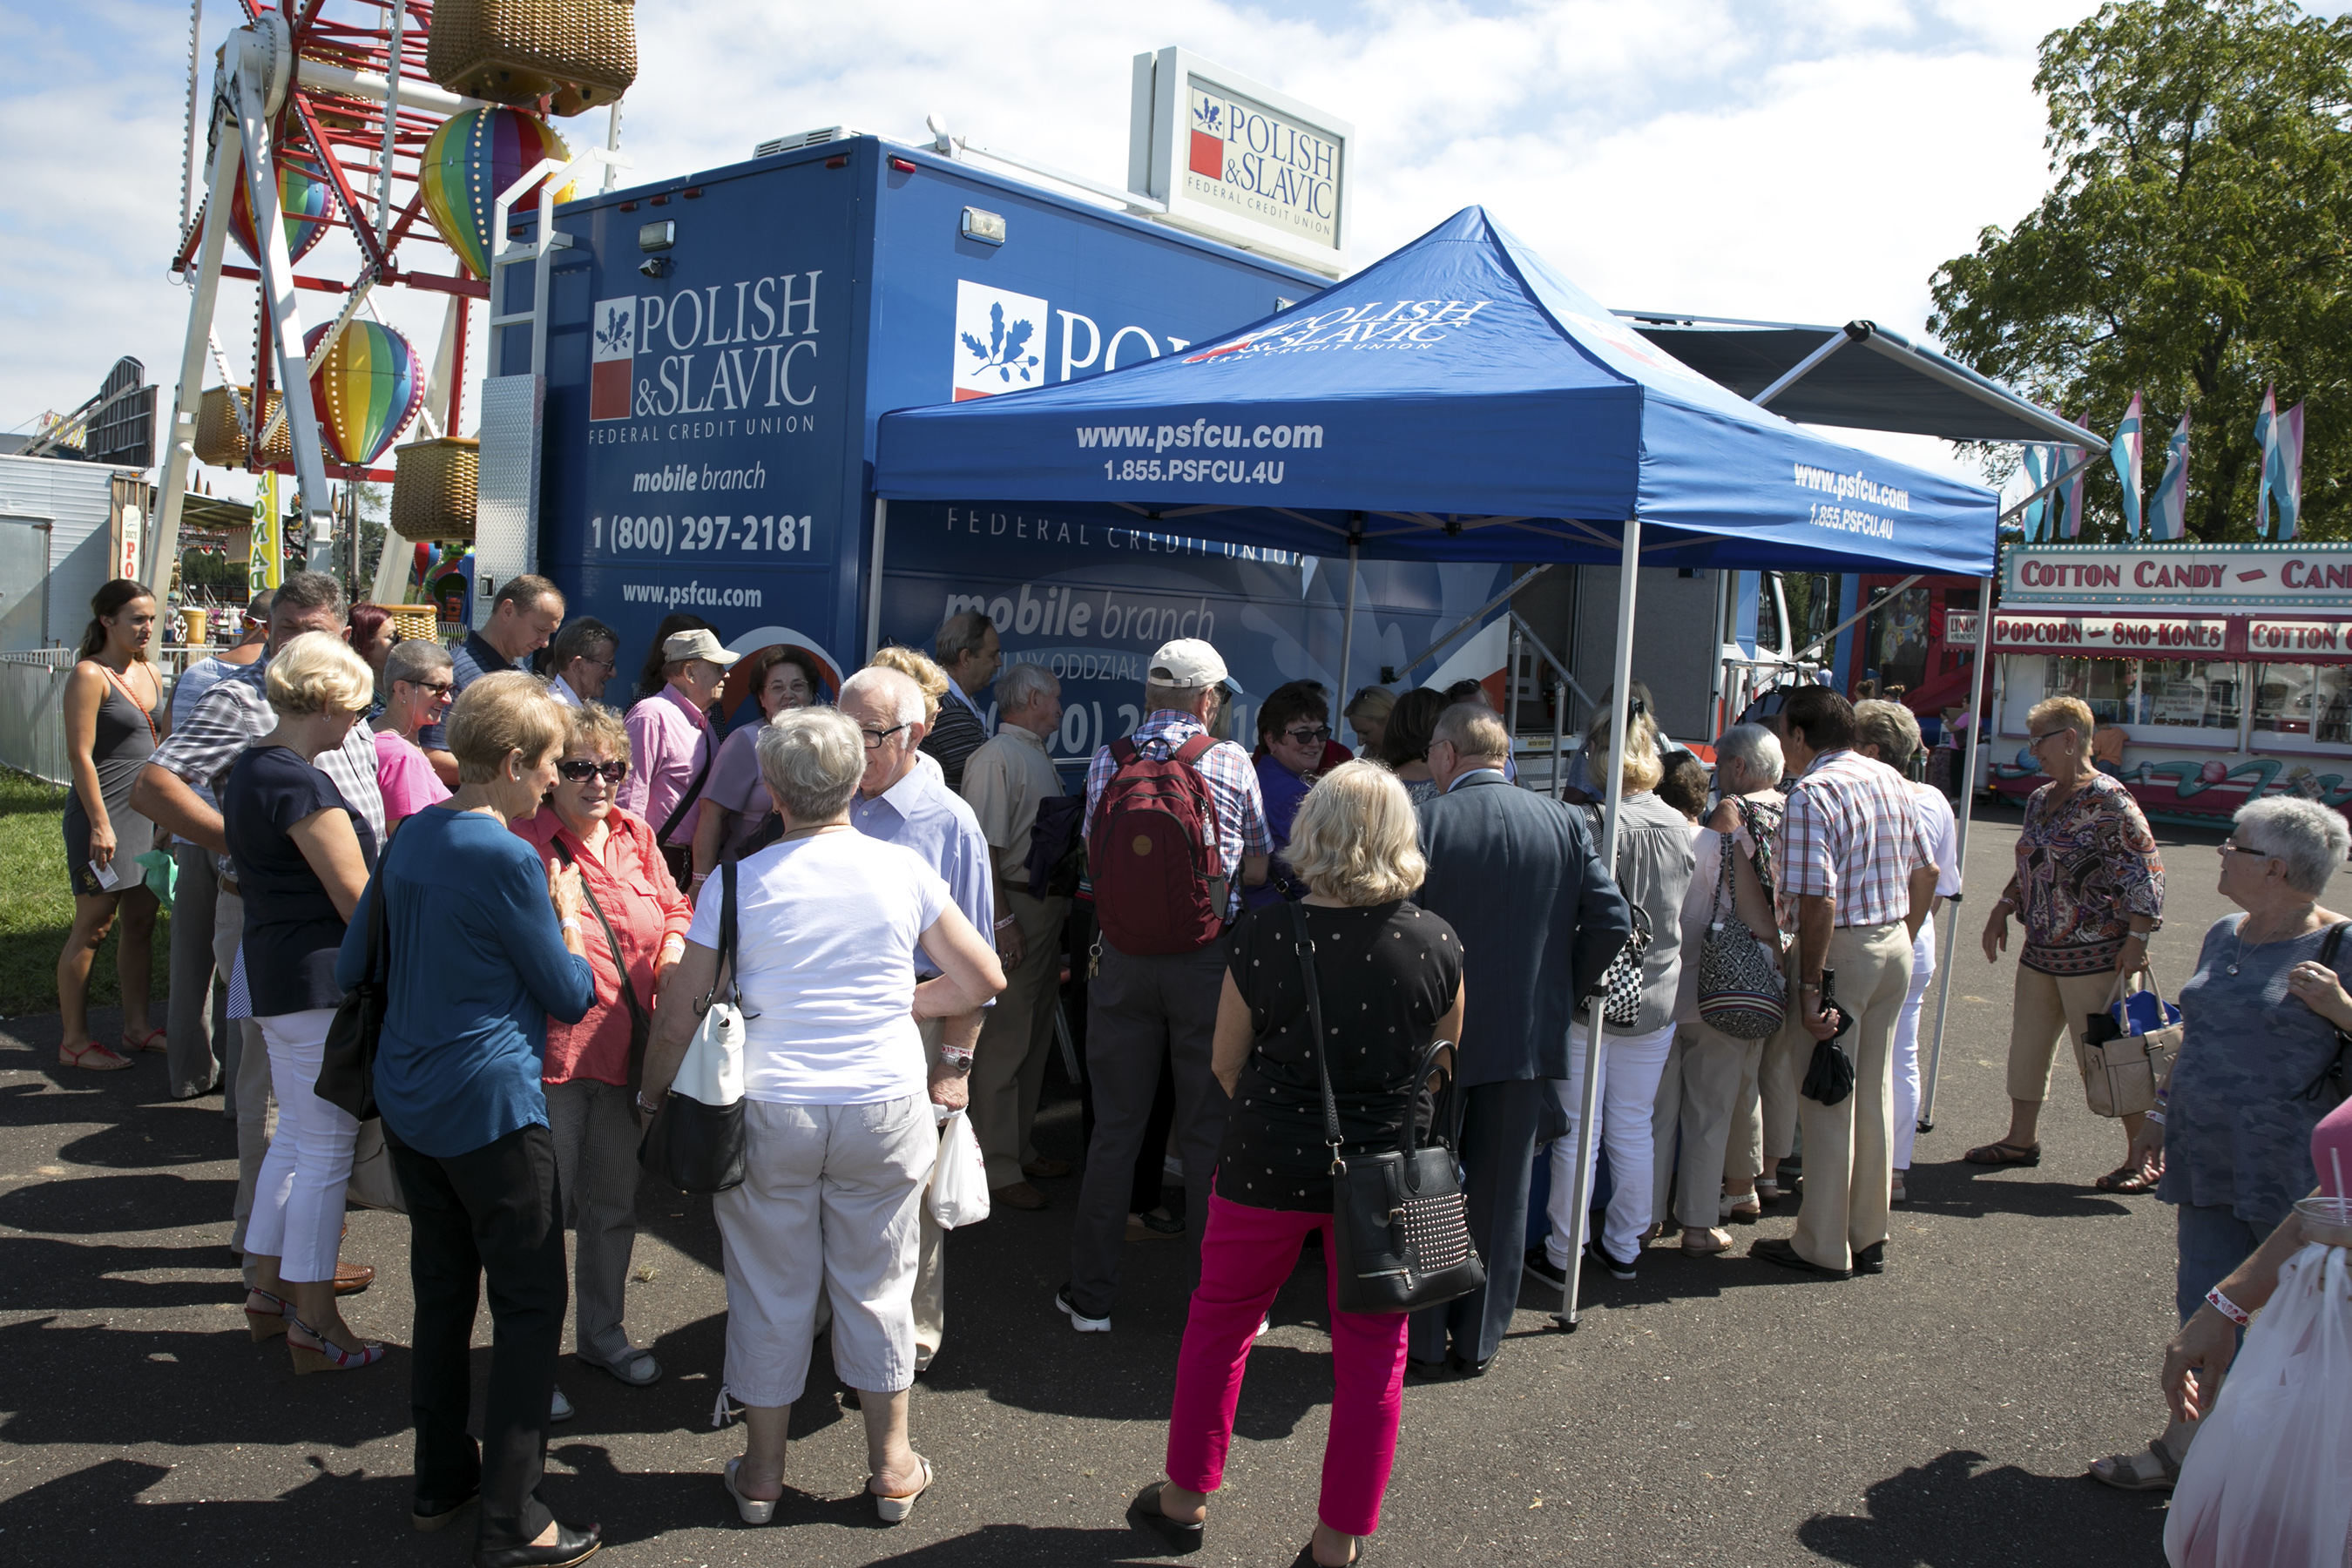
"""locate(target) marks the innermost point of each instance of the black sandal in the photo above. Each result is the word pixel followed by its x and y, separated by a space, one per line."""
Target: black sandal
pixel 2126 1178
pixel 2004 1154
pixel 1178 1537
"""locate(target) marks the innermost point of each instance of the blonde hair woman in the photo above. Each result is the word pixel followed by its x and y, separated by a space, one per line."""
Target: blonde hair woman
pixel 1654 861
pixel 303 856
pixel 1393 973
pixel 2089 887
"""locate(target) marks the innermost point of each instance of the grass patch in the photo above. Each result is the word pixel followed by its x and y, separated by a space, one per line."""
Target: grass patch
pixel 36 907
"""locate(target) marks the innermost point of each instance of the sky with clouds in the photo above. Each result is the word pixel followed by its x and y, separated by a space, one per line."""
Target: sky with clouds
pixel 1810 161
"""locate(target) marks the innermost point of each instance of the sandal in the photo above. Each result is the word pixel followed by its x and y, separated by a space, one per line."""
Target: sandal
pixel 1744 1209
pixel 1768 1191
pixel 153 1040
pixel 2004 1154
pixel 2126 1178
pixel 95 1056
pixel 2132 1473
pixel 895 1509
pixel 1720 1238
pixel 267 1320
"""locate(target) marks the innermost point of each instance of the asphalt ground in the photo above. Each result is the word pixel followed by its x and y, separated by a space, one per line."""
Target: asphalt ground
pixel 1718 1411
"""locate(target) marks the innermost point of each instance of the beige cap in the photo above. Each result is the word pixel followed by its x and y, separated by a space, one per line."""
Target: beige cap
pixel 698 643
pixel 1187 663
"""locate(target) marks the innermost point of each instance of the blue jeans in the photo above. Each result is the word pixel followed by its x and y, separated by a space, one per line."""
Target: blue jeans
pixel 2212 1242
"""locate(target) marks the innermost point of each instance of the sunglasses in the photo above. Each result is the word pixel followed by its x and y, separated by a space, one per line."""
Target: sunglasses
pixel 580 770
pixel 1306 737
pixel 2033 743
pixel 437 688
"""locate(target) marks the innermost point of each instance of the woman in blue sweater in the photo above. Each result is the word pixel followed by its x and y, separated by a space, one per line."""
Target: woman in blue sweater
pixel 485 946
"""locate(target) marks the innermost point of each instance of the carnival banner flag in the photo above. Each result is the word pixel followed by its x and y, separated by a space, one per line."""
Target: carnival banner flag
pixel 2037 474
pixel 2076 461
pixel 2281 474
pixel 2124 451
pixel 2168 512
pixel 267 564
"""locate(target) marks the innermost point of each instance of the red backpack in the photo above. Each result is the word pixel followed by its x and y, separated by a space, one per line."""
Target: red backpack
pixel 1157 887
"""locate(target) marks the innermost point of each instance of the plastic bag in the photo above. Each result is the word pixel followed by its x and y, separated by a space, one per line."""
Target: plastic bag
pixel 958 1194
pixel 2265 1484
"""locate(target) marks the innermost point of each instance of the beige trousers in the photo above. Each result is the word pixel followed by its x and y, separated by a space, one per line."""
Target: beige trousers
pixel 1764 1117
pixel 1849 1146
pixel 1705 1071
pixel 2047 1007
pixel 1008 1070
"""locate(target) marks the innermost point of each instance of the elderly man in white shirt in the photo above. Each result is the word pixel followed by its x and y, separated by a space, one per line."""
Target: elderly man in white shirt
pixel 1005 782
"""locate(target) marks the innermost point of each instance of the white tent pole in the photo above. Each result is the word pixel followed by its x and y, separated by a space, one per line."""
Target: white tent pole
pixel 874 578
pixel 1581 1188
pixel 1347 636
pixel 1977 720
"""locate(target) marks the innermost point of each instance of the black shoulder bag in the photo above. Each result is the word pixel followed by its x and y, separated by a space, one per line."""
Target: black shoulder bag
pixel 641 1021
pixel 691 1145
pixel 347 1060
pixel 680 857
pixel 2335 1080
pixel 1401 1231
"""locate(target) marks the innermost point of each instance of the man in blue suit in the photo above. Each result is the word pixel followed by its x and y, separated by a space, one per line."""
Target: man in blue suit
pixel 1517 878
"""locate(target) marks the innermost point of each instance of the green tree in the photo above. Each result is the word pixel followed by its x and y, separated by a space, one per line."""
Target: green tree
pixel 2193 245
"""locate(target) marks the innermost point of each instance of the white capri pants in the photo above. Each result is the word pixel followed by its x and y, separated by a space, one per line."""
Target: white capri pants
pixel 298 1198
pixel 1907 1044
pixel 829 1201
pixel 1631 1067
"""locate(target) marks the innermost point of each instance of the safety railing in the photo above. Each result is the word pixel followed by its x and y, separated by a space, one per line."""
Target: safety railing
pixel 31 711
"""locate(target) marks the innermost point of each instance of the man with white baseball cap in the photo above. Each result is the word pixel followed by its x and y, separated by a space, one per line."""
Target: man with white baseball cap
pixel 1175 827
pixel 671 745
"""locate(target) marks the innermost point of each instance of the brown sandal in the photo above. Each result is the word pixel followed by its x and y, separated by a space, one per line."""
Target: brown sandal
pixel 2126 1178
pixel 2004 1154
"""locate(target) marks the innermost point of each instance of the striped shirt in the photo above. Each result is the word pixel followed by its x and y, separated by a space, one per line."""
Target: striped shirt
pixel 1852 835
pixel 1240 828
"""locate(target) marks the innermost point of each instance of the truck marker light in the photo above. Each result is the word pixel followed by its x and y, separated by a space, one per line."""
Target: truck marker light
pixel 661 201
pixel 830 164
pixel 903 165
pixel 692 193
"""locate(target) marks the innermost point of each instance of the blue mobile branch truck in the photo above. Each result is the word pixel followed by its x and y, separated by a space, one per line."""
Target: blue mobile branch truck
pixel 717 349
pixel 700 434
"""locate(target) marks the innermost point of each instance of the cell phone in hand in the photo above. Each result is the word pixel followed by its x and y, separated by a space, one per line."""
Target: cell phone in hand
pixel 107 876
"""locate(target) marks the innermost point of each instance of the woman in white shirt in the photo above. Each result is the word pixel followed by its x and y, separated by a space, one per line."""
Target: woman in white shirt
pixel 838 1128
pixel 1887 731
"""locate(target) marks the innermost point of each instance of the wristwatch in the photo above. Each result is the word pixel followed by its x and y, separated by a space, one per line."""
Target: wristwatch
pixel 955 1061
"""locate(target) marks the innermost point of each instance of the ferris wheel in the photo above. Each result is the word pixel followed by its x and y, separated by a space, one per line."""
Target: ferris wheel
pixel 400 146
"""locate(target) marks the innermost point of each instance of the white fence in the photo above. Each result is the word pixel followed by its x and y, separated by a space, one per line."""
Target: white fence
pixel 32 706
pixel 32 718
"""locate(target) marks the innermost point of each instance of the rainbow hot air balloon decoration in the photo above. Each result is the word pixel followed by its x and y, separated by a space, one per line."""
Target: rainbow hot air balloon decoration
pixel 305 199
pixel 366 390
pixel 470 160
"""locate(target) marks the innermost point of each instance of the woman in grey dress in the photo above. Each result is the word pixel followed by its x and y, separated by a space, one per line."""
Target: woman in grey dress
pixel 114 716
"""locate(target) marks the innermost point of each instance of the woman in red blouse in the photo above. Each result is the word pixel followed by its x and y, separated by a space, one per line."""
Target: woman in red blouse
pixel 592 1067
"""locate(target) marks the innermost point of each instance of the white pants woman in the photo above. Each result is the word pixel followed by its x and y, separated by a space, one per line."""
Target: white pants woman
pixel 298 1198
pixel 1906 1047
pixel 1631 1067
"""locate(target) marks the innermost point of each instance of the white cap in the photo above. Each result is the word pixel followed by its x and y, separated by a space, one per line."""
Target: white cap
pixel 1187 663
pixel 698 643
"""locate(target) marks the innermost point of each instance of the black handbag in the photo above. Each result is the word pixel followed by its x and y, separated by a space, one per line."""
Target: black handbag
pixel 347 1060
pixel 696 1145
pixel 1399 1227
pixel 641 1019
pixel 1829 1076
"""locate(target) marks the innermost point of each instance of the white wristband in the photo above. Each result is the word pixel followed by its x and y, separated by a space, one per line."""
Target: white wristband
pixel 2227 1308
pixel 570 923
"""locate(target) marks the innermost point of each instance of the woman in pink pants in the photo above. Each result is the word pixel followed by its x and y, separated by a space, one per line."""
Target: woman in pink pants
pixel 1393 973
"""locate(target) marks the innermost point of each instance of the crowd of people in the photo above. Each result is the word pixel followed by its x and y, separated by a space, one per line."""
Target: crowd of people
pixel 549 889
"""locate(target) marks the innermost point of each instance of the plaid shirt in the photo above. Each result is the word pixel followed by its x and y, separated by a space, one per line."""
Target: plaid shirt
pixel 1225 768
pixel 1853 835
pixel 233 715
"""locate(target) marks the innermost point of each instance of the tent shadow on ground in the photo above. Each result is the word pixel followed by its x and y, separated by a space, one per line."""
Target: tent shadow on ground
pixel 1949 1513
pixel 1958 1190
pixel 48 1274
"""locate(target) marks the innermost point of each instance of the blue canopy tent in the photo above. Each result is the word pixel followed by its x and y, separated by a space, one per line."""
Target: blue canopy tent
pixel 1458 400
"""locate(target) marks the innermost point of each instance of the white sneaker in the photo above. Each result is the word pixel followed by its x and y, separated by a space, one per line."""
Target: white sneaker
pixel 1078 1319
pixel 560 1408
pixel 1265 1327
